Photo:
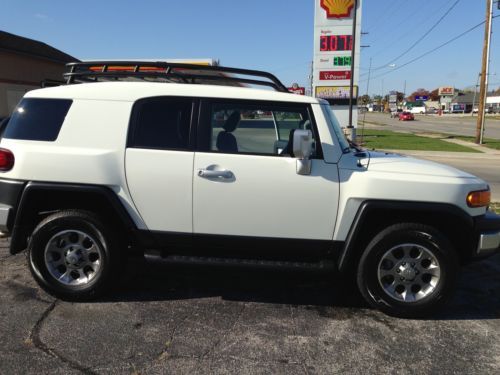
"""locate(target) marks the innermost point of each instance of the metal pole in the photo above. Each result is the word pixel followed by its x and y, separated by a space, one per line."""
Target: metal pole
pixel 484 73
pixel 353 52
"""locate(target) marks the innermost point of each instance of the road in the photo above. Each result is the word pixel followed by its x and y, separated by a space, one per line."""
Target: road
pixel 190 321
pixel 447 124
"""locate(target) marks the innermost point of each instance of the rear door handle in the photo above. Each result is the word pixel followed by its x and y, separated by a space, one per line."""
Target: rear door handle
pixel 205 173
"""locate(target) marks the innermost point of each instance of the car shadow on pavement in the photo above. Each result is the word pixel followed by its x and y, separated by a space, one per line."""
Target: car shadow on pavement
pixel 148 282
pixel 477 295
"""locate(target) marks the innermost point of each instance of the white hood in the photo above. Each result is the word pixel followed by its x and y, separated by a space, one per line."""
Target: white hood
pixel 396 163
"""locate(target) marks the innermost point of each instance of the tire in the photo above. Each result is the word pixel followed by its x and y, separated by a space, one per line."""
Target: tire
pixel 408 270
pixel 72 255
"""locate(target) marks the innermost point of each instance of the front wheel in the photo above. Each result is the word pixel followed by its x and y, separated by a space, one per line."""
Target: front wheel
pixel 72 255
pixel 407 270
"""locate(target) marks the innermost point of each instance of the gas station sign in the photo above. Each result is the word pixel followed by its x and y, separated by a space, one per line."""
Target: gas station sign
pixel 333 45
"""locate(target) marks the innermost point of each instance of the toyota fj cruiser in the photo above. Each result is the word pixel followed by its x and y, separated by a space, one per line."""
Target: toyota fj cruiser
pixel 186 164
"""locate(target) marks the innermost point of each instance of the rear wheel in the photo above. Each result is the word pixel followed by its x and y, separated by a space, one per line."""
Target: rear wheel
pixel 73 255
pixel 407 270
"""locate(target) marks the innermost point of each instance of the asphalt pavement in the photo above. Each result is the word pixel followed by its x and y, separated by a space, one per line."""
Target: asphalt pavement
pixel 191 320
pixel 464 125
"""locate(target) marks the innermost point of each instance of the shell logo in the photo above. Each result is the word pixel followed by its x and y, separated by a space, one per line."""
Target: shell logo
pixel 337 8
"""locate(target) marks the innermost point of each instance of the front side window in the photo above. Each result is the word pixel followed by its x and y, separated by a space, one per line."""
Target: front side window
pixel 37 119
pixel 161 123
pixel 254 129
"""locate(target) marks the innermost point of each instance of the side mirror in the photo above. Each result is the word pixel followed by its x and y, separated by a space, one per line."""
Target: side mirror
pixel 302 149
pixel 302 143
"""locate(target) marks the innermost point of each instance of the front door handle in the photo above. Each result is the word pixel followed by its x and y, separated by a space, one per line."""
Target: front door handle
pixel 205 173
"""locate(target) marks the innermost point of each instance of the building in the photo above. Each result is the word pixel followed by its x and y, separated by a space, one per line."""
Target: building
pixel 24 65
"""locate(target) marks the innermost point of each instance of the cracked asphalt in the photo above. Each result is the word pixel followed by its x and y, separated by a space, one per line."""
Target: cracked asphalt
pixel 191 320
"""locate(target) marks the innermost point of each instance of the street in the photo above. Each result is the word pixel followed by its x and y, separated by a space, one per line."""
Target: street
pixel 464 125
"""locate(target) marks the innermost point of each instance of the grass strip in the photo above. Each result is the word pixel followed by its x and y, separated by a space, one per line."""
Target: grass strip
pixel 389 140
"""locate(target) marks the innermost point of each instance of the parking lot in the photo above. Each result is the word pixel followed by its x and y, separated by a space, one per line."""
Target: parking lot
pixel 192 320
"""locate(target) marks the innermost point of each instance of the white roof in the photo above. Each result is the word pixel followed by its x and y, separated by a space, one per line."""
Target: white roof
pixel 132 91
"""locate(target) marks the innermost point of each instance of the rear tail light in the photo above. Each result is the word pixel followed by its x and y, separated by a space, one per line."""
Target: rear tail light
pixel 479 198
pixel 6 160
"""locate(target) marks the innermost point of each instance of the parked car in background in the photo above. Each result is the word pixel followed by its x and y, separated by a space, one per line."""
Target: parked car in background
pixel 406 116
pixel 430 110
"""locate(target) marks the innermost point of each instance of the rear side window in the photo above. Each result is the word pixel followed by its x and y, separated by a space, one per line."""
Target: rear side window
pixel 37 119
pixel 161 123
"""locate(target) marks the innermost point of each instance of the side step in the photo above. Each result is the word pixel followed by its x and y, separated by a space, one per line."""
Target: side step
pixel 324 265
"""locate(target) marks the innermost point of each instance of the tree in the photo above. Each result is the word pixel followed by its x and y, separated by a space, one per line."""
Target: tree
pixel 497 91
pixel 434 95
pixel 365 99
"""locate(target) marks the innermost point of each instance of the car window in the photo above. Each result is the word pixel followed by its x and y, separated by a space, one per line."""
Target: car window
pixel 255 129
pixel 37 119
pixel 161 123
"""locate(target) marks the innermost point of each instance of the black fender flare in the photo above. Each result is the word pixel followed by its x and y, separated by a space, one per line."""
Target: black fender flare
pixel 20 230
pixel 349 252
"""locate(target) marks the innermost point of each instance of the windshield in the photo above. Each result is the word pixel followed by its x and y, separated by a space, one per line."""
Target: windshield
pixel 335 126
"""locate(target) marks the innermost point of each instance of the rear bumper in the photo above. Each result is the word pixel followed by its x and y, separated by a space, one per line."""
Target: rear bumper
pixel 488 228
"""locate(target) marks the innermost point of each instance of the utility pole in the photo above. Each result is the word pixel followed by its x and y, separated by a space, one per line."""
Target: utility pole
pixel 484 73
pixel 311 77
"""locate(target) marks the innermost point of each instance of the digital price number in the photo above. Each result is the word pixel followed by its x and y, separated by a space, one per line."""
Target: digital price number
pixel 342 61
pixel 332 43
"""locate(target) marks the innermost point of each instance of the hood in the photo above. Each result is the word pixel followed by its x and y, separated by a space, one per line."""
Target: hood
pixel 396 163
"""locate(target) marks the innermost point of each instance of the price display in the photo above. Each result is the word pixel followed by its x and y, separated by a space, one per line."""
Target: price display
pixel 332 43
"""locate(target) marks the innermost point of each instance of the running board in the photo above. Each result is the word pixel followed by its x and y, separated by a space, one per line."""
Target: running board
pixel 232 262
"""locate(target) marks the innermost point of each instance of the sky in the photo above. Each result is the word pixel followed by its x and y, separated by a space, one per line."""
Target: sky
pixel 271 35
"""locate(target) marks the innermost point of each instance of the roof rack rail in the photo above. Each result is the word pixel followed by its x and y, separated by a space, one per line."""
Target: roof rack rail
pixel 92 71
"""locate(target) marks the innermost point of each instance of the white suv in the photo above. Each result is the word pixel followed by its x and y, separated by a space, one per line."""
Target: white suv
pixel 184 170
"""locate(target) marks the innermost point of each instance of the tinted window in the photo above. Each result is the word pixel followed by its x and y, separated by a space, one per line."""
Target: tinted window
pixel 253 129
pixel 37 119
pixel 161 124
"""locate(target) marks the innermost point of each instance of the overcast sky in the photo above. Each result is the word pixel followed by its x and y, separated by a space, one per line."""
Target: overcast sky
pixel 272 35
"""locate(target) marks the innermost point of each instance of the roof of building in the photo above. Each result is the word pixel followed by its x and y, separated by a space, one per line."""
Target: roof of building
pixel 18 44
pixel 466 98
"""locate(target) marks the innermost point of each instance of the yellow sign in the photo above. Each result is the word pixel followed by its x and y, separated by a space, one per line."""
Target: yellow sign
pixel 337 8
pixel 335 92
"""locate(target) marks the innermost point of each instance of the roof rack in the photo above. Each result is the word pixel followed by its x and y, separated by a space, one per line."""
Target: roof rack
pixel 94 71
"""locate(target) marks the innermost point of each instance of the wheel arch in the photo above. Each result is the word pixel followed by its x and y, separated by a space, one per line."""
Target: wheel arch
pixel 375 215
pixel 40 198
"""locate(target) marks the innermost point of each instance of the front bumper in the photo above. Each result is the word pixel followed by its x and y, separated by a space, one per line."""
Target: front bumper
pixel 488 228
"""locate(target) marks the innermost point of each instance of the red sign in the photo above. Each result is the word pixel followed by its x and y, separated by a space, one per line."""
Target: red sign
pixel 334 75
pixel 297 90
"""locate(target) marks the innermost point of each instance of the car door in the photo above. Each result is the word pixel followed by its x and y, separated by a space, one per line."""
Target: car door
pixel 245 182
pixel 159 163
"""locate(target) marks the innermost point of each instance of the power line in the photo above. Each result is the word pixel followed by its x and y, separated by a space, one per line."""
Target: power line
pixel 407 23
pixel 431 51
pixel 421 38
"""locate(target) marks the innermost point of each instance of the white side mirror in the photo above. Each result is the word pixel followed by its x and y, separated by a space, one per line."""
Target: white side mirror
pixel 302 143
pixel 302 149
